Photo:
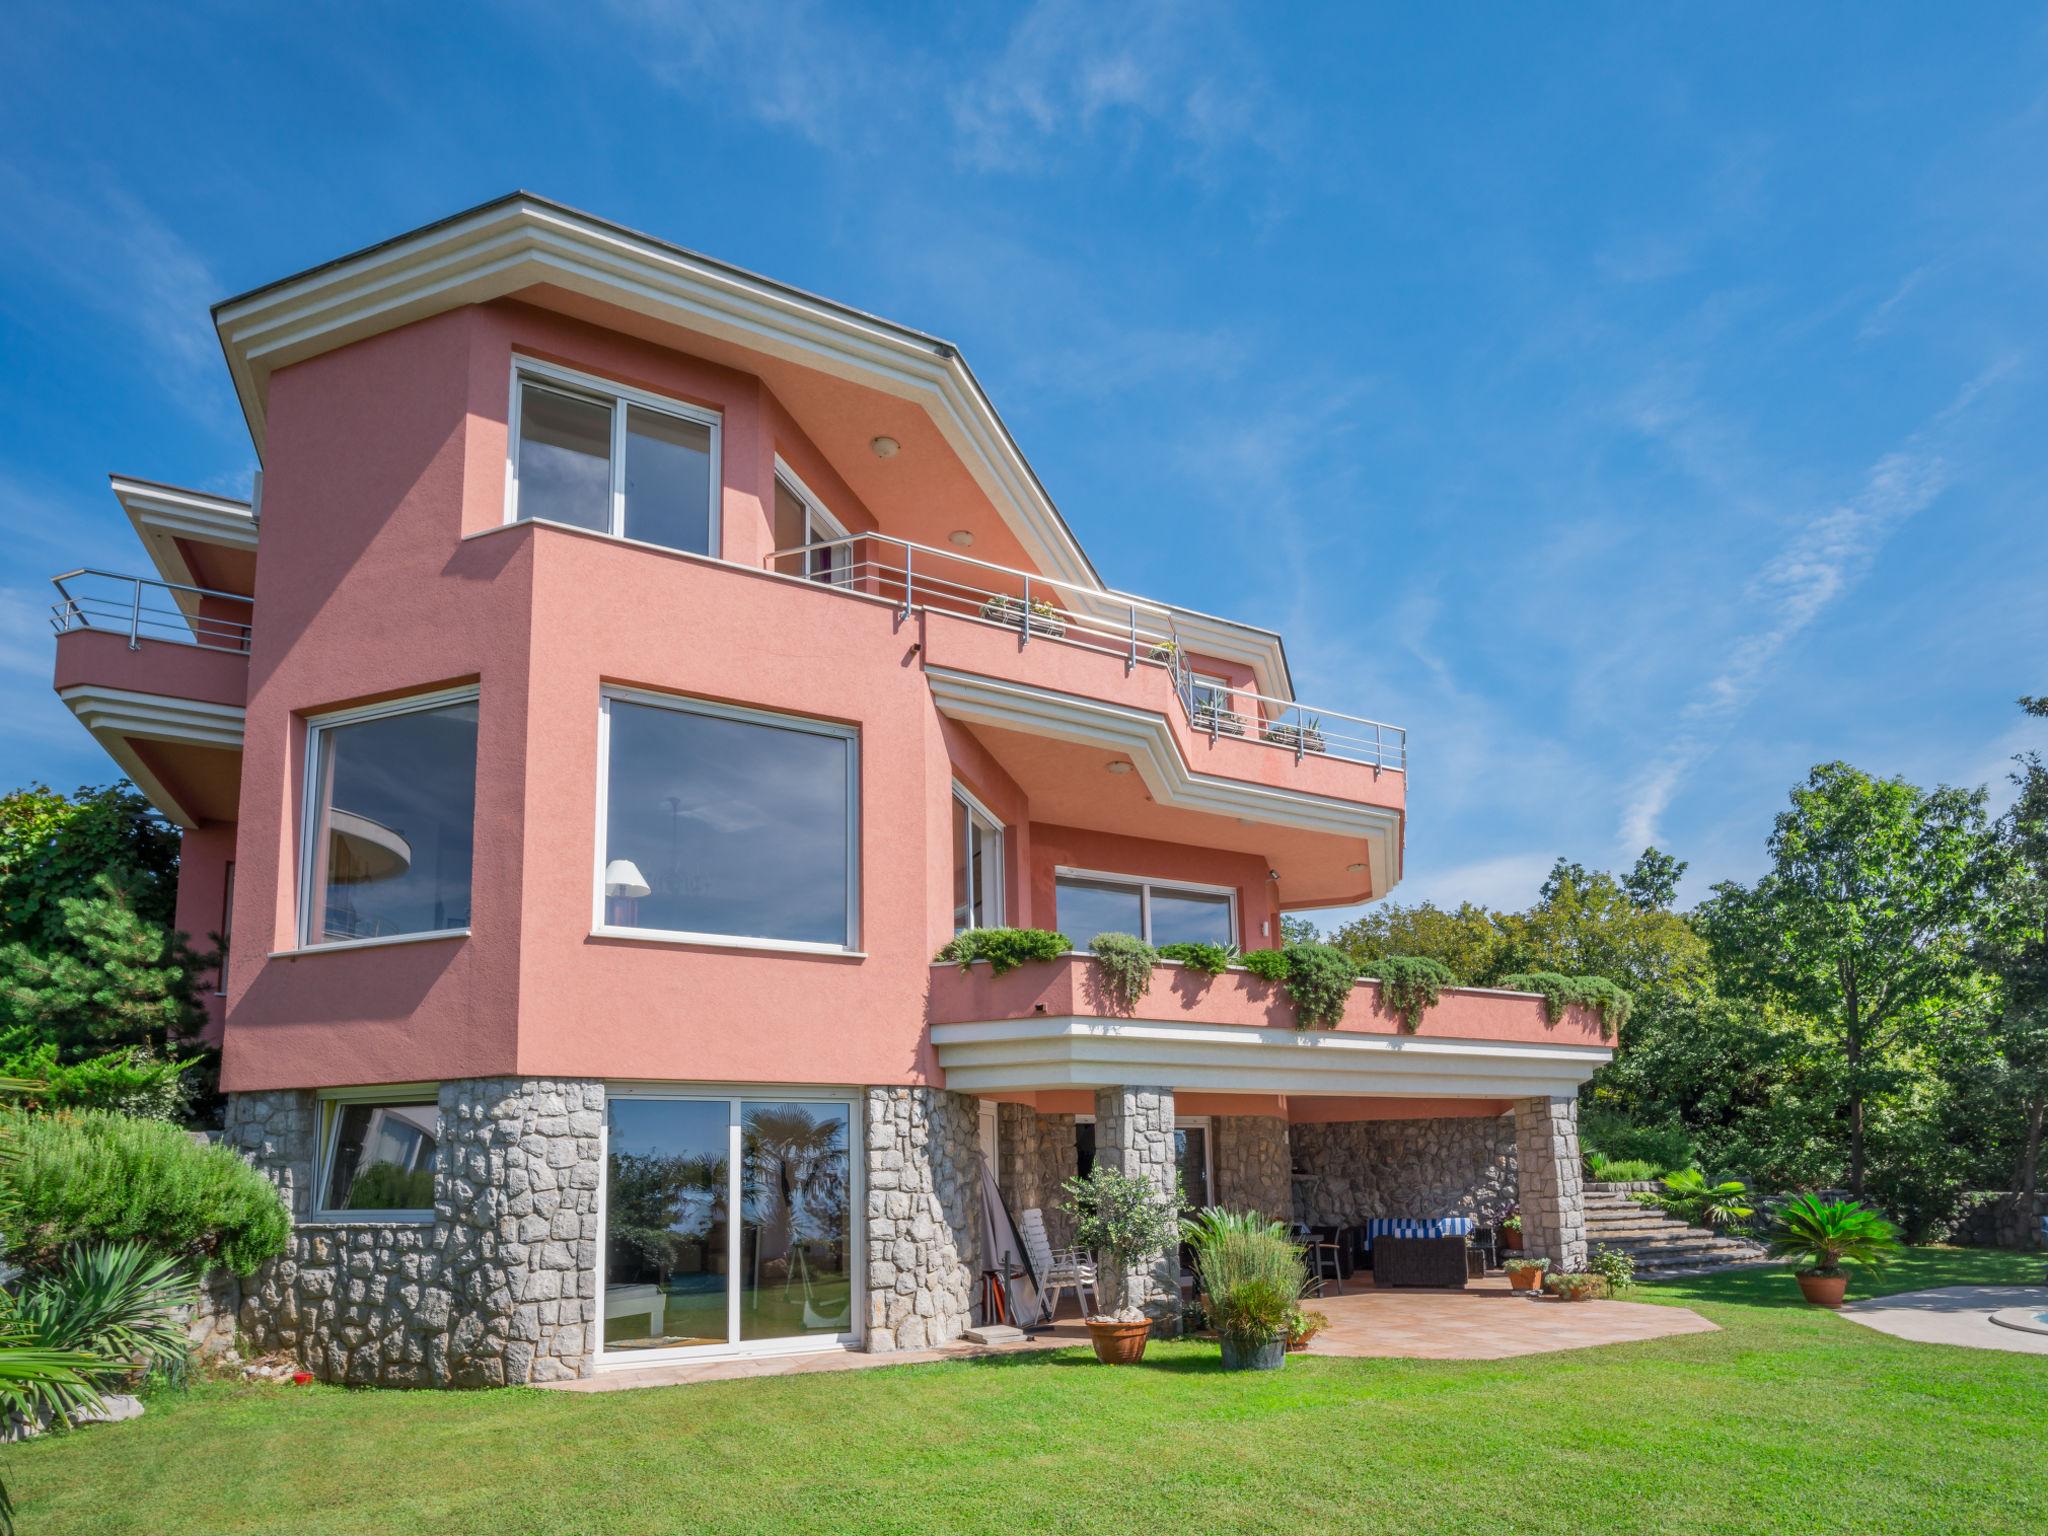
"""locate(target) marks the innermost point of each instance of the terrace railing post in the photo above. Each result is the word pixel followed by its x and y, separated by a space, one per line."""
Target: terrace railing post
pixel 1131 665
pixel 135 619
pixel 1024 622
pixel 909 580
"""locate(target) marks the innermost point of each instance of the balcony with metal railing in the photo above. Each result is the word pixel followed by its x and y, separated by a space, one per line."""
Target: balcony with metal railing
pixel 919 578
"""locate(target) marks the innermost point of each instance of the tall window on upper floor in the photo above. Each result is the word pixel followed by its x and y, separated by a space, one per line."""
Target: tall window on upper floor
pixel 977 864
pixel 1158 911
pixel 390 820
pixel 726 825
pixel 613 460
pixel 808 539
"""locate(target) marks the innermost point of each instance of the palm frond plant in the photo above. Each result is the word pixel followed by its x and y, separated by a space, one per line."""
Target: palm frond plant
pixel 118 1302
pixel 1819 1236
pixel 1688 1196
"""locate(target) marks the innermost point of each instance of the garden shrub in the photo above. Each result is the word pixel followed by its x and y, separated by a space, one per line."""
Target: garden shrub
pixel 89 1176
pixel 1318 979
pixel 132 1080
pixel 1621 1170
pixel 1606 1134
pixel 1212 958
pixel 1004 948
pixel 1266 964
pixel 1126 962
pixel 1409 984
pixel 1560 992
pixel 1614 1266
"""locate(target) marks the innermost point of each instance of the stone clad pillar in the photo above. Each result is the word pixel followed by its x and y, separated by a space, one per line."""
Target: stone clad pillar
pixel 1552 1188
pixel 923 1216
pixel 1134 1135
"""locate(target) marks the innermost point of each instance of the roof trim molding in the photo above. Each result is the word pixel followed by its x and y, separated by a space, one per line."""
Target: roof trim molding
pixel 519 241
pixel 163 514
pixel 117 717
pixel 1147 739
pixel 1078 1052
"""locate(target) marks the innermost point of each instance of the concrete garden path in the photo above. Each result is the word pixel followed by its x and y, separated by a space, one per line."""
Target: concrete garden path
pixel 1955 1314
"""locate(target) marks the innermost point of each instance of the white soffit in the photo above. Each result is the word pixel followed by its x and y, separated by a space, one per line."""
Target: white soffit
pixel 163 514
pixel 1075 1052
pixel 520 241
pixel 117 717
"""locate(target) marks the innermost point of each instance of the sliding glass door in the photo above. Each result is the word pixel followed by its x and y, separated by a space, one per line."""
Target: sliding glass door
pixel 679 1272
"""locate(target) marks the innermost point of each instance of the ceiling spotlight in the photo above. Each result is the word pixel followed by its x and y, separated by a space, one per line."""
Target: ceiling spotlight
pixel 1119 766
pixel 885 447
pixel 1356 869
pixel 1272 874
pixel 959 536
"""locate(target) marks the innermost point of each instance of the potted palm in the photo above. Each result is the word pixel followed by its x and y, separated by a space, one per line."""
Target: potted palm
pixel 1820 1236
pixel 1126 1222
pixel 1252 1277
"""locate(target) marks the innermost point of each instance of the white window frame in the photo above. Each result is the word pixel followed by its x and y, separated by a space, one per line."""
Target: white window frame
pixel 1145 885
pixel 1202 1123
pixel 309 817
pixel 331 1102
pixel 732 1094
pixel 820 526
pixel 617 396
pixel 683 704
pixel 975 809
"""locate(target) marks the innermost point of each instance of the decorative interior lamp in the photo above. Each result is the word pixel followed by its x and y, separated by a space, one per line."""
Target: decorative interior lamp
pixel 624 885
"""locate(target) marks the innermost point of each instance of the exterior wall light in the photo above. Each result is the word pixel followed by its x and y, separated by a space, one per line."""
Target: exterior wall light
pixel 885 447
pixel 961 537
pixel 1118 766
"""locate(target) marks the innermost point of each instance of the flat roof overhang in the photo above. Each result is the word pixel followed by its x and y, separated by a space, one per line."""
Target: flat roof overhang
pixel 1077 1052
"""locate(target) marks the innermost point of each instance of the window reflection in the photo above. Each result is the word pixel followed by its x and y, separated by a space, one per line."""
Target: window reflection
pixel 722 826
pixel 383 1157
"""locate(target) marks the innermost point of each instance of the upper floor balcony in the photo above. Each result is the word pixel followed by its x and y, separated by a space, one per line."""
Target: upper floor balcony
pixel 158 671
pixel 1061 681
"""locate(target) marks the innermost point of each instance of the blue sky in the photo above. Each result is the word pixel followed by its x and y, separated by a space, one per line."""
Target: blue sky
pixel 1639 404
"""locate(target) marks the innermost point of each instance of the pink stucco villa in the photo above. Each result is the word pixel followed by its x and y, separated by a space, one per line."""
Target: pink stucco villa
pixel 631 672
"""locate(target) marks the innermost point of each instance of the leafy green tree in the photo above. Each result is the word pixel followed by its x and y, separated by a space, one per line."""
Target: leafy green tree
pixel 1467 941
pixel 54 845
pixel 1863 922
pixel 2015 949
pixel 1591 924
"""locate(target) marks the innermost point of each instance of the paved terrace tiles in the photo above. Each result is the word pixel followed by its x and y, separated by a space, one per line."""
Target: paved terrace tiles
pixel 1486 1321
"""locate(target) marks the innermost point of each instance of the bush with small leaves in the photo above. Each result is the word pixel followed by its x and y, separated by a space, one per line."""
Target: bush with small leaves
pixel 1004 948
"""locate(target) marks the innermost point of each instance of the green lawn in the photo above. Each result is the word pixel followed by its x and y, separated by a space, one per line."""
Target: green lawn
pixel 1790 1420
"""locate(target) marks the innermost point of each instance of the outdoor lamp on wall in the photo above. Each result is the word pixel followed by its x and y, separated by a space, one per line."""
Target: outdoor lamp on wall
pixel 624 885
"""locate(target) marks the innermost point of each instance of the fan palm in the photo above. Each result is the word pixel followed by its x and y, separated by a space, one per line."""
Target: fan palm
pixel 1820 1236
pixel 1688 1196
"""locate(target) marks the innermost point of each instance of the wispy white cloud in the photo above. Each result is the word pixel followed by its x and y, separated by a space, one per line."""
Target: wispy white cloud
pixel 109 249
pixel 1508 880
pixel 1789 593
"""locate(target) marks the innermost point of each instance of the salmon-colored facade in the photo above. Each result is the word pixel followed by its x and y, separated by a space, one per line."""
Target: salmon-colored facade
pixel 948 628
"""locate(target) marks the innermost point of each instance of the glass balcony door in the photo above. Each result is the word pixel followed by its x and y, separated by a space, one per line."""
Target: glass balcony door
pixel 679 1272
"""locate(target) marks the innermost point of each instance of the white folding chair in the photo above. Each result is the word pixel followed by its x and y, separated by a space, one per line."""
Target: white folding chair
pixel 1066 1269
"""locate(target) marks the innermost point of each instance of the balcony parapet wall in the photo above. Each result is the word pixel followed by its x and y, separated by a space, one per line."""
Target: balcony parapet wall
pixel 1071 987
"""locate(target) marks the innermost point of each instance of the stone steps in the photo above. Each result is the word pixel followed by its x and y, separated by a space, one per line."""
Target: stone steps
pixel 1658 1243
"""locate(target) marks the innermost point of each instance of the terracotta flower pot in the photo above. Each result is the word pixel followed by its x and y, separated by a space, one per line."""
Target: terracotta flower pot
pixel 1119 1343
pixel 1824 1290
pixel 1511 1239
pixel 1525 1279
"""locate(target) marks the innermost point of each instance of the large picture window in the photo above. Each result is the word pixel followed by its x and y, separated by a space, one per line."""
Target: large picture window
pixel 727 824
pixel 1158 911
pixel 598 456
pixel 379 1155
pixel 390 820
pixel 977 864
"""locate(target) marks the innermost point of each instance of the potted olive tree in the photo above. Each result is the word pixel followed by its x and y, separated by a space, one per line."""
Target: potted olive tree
pixel 1820 1236
pixel 1126 1222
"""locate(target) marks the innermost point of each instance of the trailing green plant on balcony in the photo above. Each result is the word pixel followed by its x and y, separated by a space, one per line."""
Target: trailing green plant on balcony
pixel 1004 948
pixel 1126 963
pixel 1045 618
pixel 1409 984
pixel 1212 958
pixel 1318 980
pixel 1561 992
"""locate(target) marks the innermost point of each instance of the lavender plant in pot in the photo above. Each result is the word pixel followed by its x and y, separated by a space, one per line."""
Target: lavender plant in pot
pixel 1127 1222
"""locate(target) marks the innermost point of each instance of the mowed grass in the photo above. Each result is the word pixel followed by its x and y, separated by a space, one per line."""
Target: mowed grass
pixel 1789 1420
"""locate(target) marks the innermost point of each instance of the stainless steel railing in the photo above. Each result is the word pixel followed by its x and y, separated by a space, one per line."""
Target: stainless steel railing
pixel 1141 633
pixel 143 608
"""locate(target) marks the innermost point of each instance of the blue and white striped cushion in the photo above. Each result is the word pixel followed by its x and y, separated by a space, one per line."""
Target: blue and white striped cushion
pixel 1417 1226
